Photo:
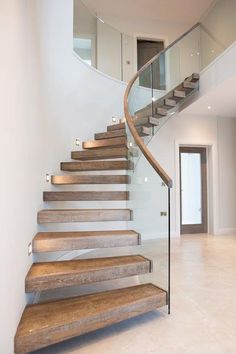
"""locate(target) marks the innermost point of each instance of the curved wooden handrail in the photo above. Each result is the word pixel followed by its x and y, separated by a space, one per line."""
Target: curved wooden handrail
pixel 129 119
pixel 151 159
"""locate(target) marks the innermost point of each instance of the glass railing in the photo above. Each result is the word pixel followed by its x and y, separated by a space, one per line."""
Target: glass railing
pixel 156 82
pixel 109 50
pixel 149 200
pixel 101 45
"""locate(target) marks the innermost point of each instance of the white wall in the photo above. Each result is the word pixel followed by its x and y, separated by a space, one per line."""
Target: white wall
pixel 48 98
pixel 129 57
pixel 218 134
pixel 23 160
pixel 227 174
pixel 219 29
pixel 109 53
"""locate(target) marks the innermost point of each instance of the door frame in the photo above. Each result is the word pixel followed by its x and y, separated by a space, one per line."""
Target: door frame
pixel 203 227
pixel 213 183
pixel 147 37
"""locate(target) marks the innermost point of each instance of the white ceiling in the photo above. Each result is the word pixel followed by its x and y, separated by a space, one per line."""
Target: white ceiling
pixel 175 11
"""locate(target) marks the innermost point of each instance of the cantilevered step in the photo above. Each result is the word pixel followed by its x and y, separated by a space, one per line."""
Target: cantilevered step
pixel 164 110
pixel 110 134
pixel 96 165
pixel 90 179
pixel 172 101
pixel 97 144
pixel 76 240
pixel 99 154
pixel 83 215
pixel 85 196
pixel 146 121
pixel 182 92
pixel 52 275
pixel 44 324
pixel 190 84
pixel 116 127
pixel 144 131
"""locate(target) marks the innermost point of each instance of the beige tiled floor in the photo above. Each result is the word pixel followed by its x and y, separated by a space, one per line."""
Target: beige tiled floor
pixel 203 318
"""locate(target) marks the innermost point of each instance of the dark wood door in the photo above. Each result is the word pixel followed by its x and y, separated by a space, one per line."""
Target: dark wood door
pixel 146 50
pixel 193 190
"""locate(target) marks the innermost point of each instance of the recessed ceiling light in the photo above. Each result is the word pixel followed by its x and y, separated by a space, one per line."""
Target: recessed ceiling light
pixel 208 107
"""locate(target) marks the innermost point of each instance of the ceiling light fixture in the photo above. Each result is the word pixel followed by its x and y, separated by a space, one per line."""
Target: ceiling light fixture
pixel 209 107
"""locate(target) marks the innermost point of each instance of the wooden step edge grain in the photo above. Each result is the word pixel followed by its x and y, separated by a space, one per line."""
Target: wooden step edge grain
pixel 98 144
pixel 54 275
pixel 97 165
pixel 85 196
pixel 116 127
pixel 76 240
pixel 110 134
pixel 83 215
pixel 90 179
pixel 52 322
pixel 100 154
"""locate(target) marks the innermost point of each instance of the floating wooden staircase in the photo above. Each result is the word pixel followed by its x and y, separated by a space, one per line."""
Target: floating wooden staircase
pixel 51 322
pixel 47 323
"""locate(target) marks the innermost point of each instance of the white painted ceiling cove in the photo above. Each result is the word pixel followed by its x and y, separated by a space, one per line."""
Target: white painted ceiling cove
pixel 175 11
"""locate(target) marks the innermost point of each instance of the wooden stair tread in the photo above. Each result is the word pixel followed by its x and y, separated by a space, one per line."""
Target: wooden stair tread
pixel 116 127
pixel 96 144
pixel 98 154
pixel 144 131
pixel 52 322
pixel 52 275
pixel 85 196
pixel 90 179
pixel 96 165
pixel 145 121
pixel 110 134
pixel 74 240
pixel 83 215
